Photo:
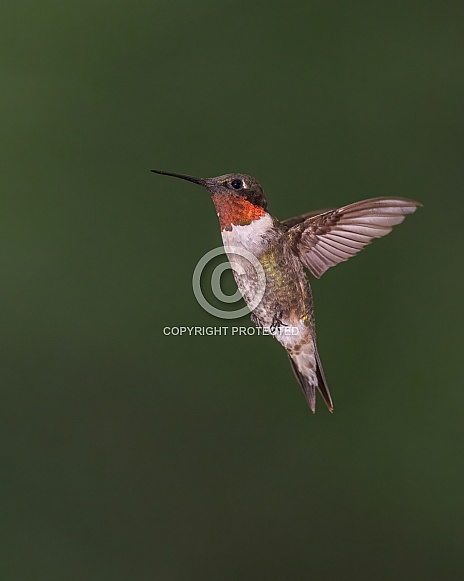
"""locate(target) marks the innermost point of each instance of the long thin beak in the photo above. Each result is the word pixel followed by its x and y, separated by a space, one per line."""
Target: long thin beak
pixel 199 181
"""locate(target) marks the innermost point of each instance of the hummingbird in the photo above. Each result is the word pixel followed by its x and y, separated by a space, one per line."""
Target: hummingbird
pixel 315 240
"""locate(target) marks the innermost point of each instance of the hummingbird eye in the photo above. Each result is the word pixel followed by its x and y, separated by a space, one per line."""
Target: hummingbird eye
pixel 236 184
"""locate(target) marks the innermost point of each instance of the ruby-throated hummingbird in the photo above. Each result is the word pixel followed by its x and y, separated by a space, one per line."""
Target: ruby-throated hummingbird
pixel 317 241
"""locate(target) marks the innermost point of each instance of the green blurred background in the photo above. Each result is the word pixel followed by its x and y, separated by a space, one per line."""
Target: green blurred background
pixel 128 455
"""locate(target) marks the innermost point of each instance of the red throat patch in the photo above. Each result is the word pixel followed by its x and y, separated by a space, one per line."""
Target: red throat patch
pixel 235 211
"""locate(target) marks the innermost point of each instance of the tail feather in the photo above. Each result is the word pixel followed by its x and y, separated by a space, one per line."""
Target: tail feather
pixel 309 389
pixel 321 382
pixel 308 384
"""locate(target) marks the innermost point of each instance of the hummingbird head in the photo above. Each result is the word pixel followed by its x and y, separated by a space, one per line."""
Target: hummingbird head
pixel 238 197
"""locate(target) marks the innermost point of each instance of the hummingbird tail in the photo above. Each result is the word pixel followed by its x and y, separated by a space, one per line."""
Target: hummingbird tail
pixel 309 380
pixel 321 382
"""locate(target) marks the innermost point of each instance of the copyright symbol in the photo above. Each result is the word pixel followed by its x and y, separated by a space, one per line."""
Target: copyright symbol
pixel 241 261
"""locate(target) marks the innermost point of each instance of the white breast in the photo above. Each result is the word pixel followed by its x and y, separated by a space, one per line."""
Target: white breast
pixel 251 237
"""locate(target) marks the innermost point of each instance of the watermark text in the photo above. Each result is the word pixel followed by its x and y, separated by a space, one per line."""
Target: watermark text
pixel 229 331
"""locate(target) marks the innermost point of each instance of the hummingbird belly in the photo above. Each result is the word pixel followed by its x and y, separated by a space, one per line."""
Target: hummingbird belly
pixel 287 299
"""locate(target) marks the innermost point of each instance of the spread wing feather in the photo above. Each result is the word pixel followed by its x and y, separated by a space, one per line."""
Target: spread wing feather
pixel 326 239
pixel 290 222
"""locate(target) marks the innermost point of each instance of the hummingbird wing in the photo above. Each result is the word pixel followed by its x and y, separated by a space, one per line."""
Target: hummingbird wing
pixel 325 240
pixel 290 222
